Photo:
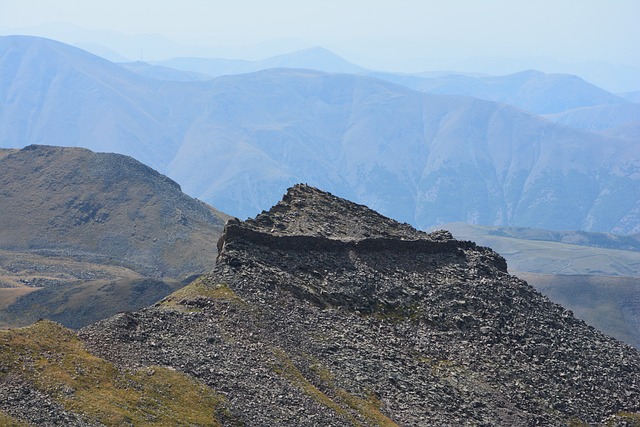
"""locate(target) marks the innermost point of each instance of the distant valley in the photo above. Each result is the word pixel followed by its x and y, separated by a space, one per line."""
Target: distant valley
pixel 557 252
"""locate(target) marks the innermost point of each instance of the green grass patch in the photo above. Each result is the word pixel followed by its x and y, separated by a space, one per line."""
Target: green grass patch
pixel 369 408
pixel 200 288
pixel 9 421
pixel 344 404
pixel 53 360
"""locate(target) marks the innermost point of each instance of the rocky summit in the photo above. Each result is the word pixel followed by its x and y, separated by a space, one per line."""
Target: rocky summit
pixel 322 312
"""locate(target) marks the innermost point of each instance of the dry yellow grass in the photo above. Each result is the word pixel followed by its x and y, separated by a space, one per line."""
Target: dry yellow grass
pixel 53 360
pixel 201 288
pixel 9 421
pixel 345 404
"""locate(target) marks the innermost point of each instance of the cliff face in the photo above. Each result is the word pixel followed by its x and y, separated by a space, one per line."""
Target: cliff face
pixel 322 312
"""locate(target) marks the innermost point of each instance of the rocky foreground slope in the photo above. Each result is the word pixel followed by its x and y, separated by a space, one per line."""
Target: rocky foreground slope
pixel 322 312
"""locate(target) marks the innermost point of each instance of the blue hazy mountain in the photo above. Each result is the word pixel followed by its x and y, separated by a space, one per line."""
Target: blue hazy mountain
pixel 419 158
pixel 237 141
pixel 164 73
pixel 55 94
pixel 620 120
pixel 631 96
pixel 316 58
pixel 530 90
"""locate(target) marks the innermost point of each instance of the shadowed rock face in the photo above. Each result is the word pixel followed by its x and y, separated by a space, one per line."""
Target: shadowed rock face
pixel 322 312
pixel 328 244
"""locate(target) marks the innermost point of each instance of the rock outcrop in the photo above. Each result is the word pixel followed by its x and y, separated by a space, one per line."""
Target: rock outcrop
pixel 322 312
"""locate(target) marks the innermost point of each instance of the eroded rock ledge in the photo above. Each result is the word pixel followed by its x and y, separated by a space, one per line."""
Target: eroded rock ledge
pixel 236 232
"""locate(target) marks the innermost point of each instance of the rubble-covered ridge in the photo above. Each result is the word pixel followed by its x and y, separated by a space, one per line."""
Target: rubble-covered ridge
pixel 312 234
pixel 322 312
pixel 308 211
pixel 335 252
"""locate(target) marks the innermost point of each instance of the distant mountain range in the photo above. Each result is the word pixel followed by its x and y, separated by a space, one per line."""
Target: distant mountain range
pixel 235 141
pixel 119 47
pixel 530 90
pixel 619 120
pixel 315 58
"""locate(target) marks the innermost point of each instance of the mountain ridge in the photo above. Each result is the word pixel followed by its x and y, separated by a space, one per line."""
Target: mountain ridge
pixel 85 193
pixel 316 58
pixel 530 90
pixel 357 320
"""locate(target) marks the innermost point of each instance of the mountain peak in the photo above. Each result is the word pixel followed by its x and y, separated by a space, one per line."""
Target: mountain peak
pixel 317 58
pixel 306 210
pixel 309 223
pixel 80 202
pixel 316 50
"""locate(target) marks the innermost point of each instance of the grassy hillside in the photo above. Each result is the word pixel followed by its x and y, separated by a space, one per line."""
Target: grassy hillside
pixel 104 208
pixel 52 363
pixel 86 235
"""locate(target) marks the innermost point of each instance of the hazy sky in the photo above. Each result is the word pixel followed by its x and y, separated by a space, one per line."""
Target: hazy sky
pixel 404 32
